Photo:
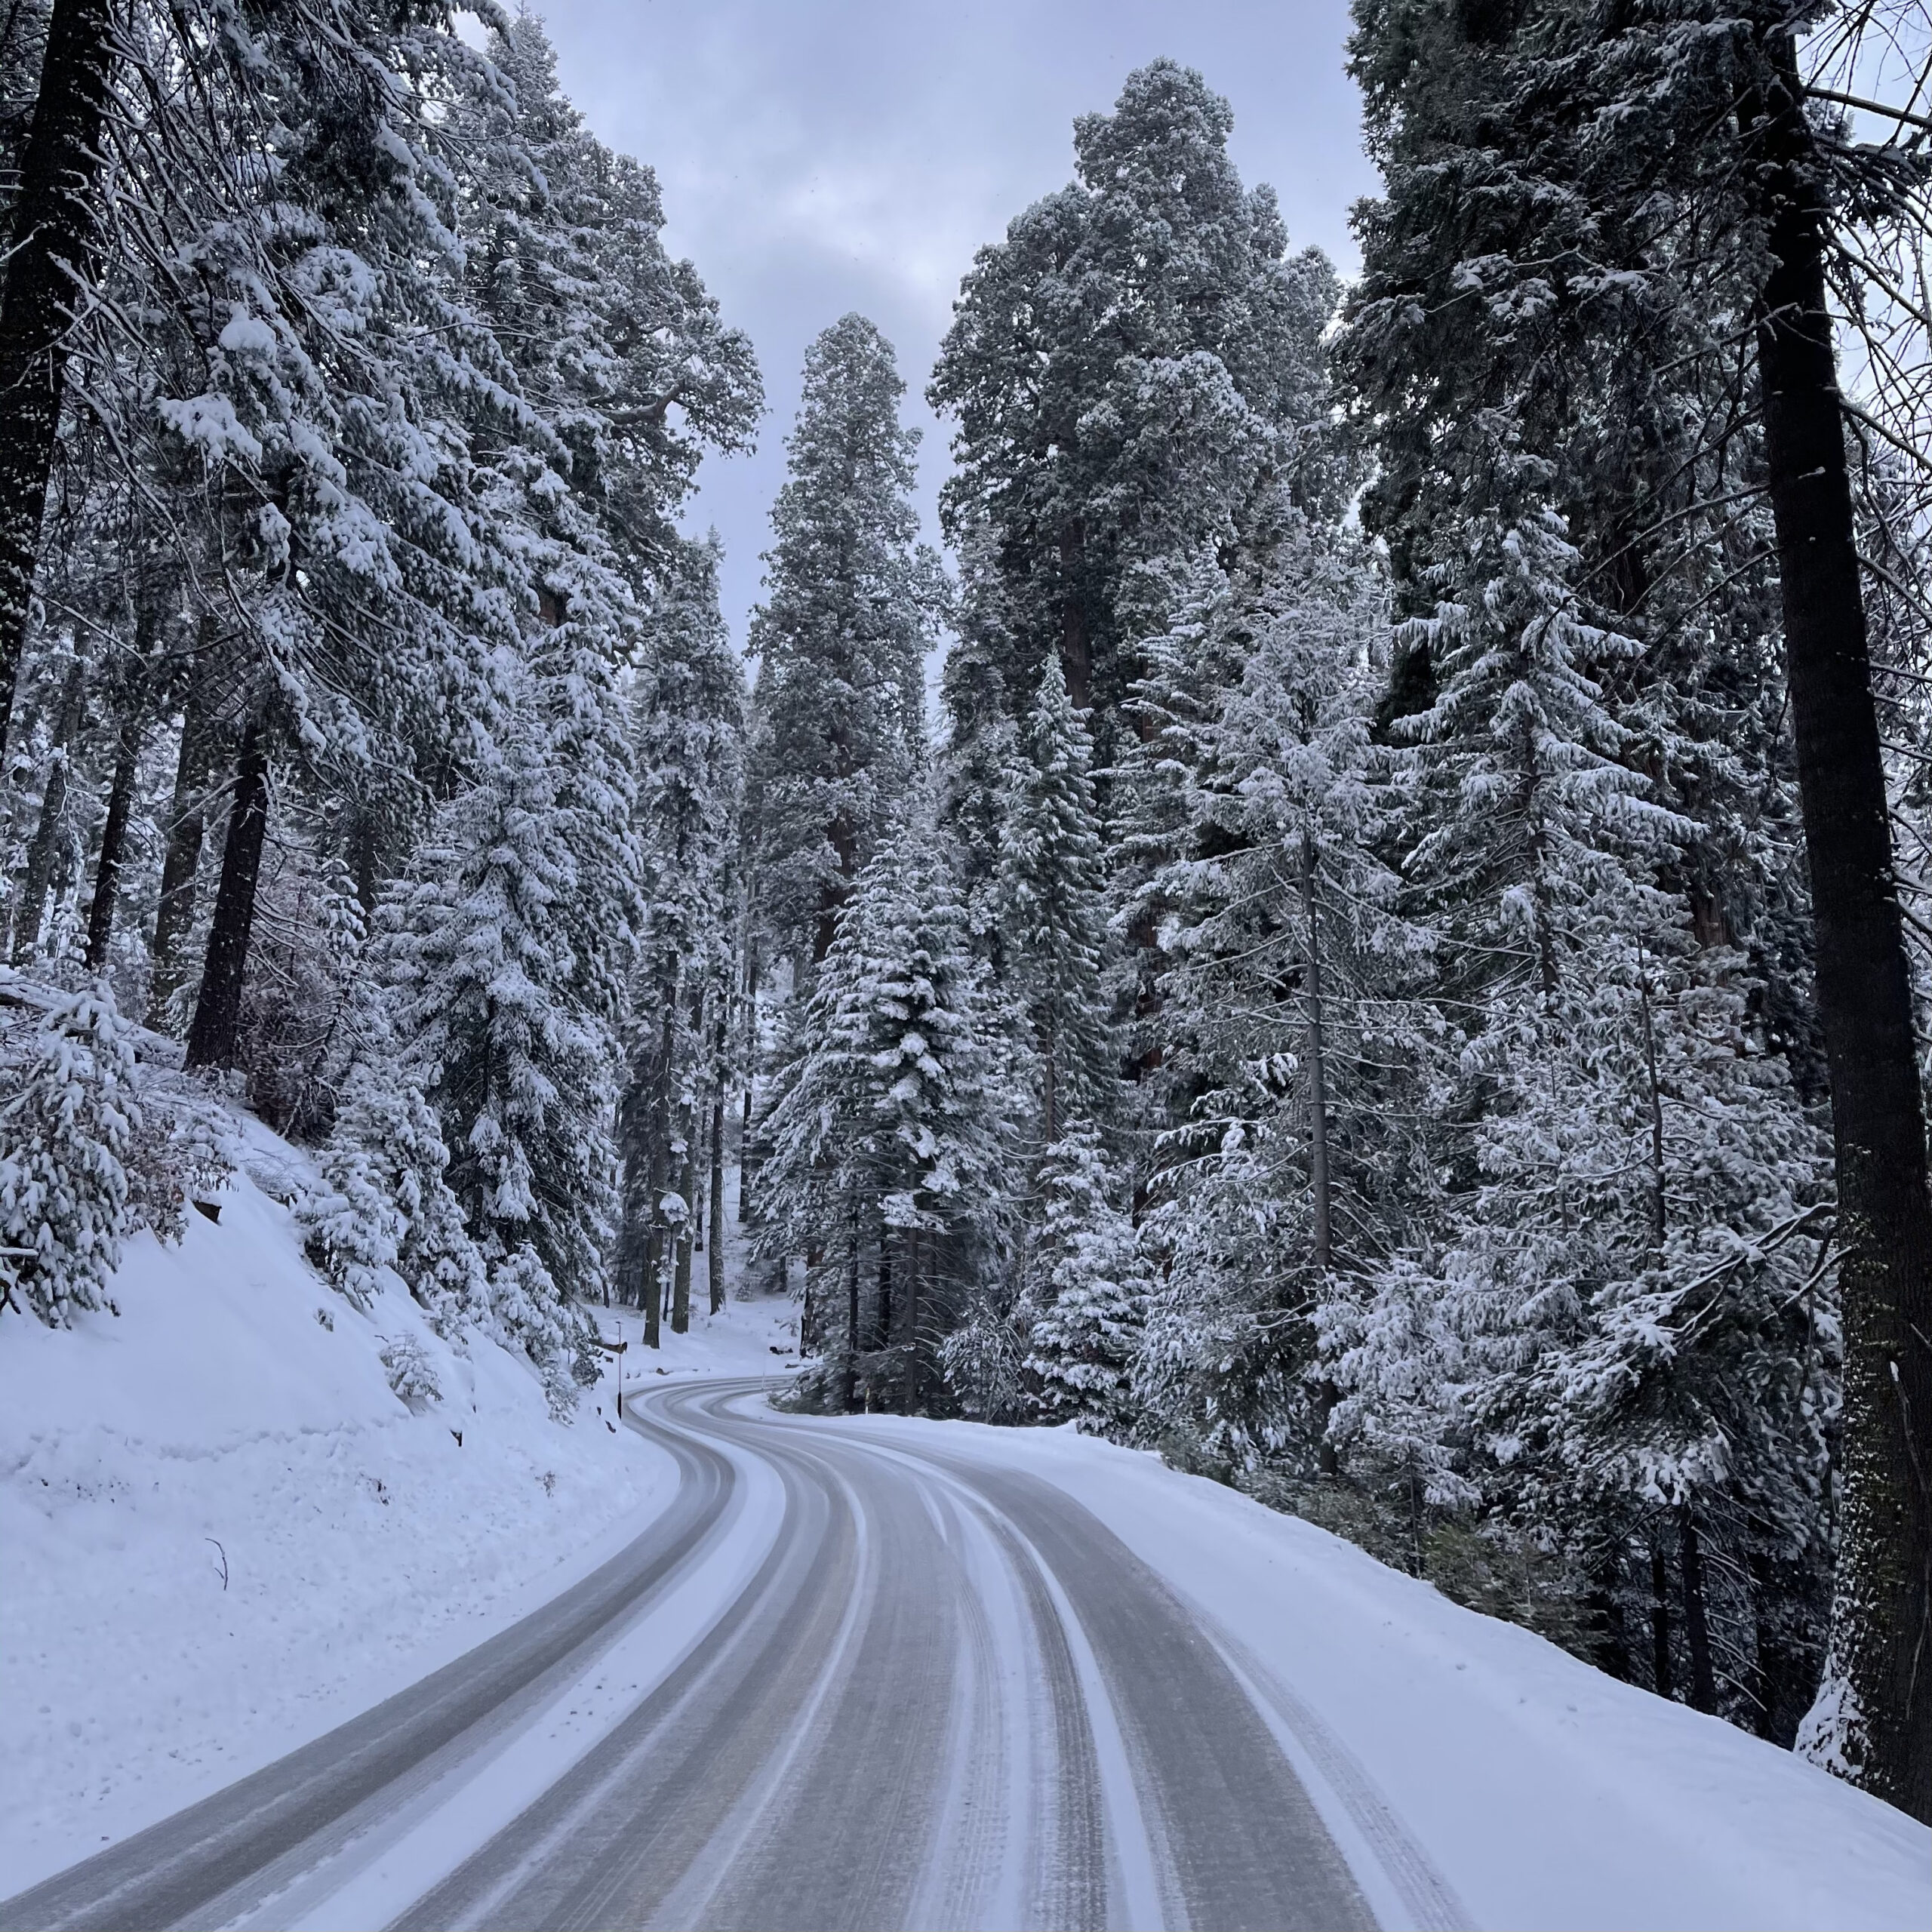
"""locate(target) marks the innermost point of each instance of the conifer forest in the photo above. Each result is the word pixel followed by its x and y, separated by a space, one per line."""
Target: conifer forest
pixel 1364 923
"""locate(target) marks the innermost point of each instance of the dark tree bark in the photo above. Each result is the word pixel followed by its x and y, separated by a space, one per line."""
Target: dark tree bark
pixel 180 864
pixel 681 1289
pixel 56 230
pixel 1780 1684
pixel 658 1170
pixel 1662 1678
pixel 746 1163
pixel 714 1254
pixel 214 1034
pixel 1880 1657
pixel 37 876
pixel 850 1377
pixel 113 847
pixel 1696 1615
pixel 634 1149
pixel 910 1401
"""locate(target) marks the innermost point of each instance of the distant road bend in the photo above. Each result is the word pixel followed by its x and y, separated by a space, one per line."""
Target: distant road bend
pixel 846 1680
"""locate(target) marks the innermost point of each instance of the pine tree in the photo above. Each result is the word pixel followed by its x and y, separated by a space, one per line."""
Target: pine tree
pixel 501 1011
pixel 1084 1300
pixel 1126 368
pixel 64 1136
pixel 1053 915
pixel 888 1123
pixel 1276 988
pixel 841 640
pixel 1680 374
pixel 384 1203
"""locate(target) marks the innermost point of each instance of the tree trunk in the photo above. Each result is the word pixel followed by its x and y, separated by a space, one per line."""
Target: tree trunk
pixel 658 1168
pixel 1697 1617
pixel 113 844
pixel 714 1257
pixel 910 1400
pixel 1319 1202
pixel 1778 1682
pixel 634 1149
pixel 180 864
pixel 31 908
pixel 1878 1676
pixel 213 1038
pixel 56 228
pixel 1656 1187
pixel 851 1372
pixel 751 1081
pixel 1662 1676
pixel 680 1291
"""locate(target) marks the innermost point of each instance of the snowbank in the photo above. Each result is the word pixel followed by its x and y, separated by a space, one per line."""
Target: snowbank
pixel 221 1534
pixel 1548 1794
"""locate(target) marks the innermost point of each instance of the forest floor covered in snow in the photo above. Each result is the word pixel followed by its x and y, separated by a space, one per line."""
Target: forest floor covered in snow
pixel 221 1534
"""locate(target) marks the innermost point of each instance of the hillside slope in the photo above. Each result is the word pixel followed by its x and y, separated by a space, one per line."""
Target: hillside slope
pixel 221 1532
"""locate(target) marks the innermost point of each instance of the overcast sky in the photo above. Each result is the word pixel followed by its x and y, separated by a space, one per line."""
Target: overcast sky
pixel 819 156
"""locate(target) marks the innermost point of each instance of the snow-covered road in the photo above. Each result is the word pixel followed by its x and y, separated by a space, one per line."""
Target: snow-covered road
pixel 872 1673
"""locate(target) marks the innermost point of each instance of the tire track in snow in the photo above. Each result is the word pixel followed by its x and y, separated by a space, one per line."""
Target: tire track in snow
pixel 937 1694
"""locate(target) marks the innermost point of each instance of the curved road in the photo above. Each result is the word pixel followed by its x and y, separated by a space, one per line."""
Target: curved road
pixel 843 1680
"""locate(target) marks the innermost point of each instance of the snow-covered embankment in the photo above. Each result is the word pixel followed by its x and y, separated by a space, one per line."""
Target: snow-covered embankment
pixel 221 1532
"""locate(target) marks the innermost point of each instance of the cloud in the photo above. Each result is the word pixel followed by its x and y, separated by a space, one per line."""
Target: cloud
pixel 820 157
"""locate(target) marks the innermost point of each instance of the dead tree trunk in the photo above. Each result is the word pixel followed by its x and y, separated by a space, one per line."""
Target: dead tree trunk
pixel 56 230
pixel 1882 1620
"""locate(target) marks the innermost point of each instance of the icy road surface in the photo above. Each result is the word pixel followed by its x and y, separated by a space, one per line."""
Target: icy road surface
pixel 872 1673
pixel 839 1682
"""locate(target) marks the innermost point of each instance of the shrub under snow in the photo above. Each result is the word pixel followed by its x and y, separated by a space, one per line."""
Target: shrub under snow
pixel 64 1136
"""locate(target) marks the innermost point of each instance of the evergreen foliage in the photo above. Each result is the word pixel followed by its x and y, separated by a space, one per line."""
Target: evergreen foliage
pixel 841 640
pixel 1402 983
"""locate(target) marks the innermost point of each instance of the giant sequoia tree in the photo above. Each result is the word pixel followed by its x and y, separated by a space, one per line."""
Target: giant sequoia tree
pixel 1130 368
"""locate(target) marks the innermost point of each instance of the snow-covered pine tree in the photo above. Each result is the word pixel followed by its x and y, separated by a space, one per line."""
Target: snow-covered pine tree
pixel 64 1134
pixel 1641 265
pixel 1274 1025
pixel 491 946
pixel 1083 1299
pixel 1611 1225
pixel 891 1121
pixel 841 638
pixel 1053 913
pixel 1125 367
pixel 384 1201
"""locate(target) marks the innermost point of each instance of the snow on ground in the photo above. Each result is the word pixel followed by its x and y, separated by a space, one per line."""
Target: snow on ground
pixel 745 1338
pixel 1549 1795
pixel 235 1415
